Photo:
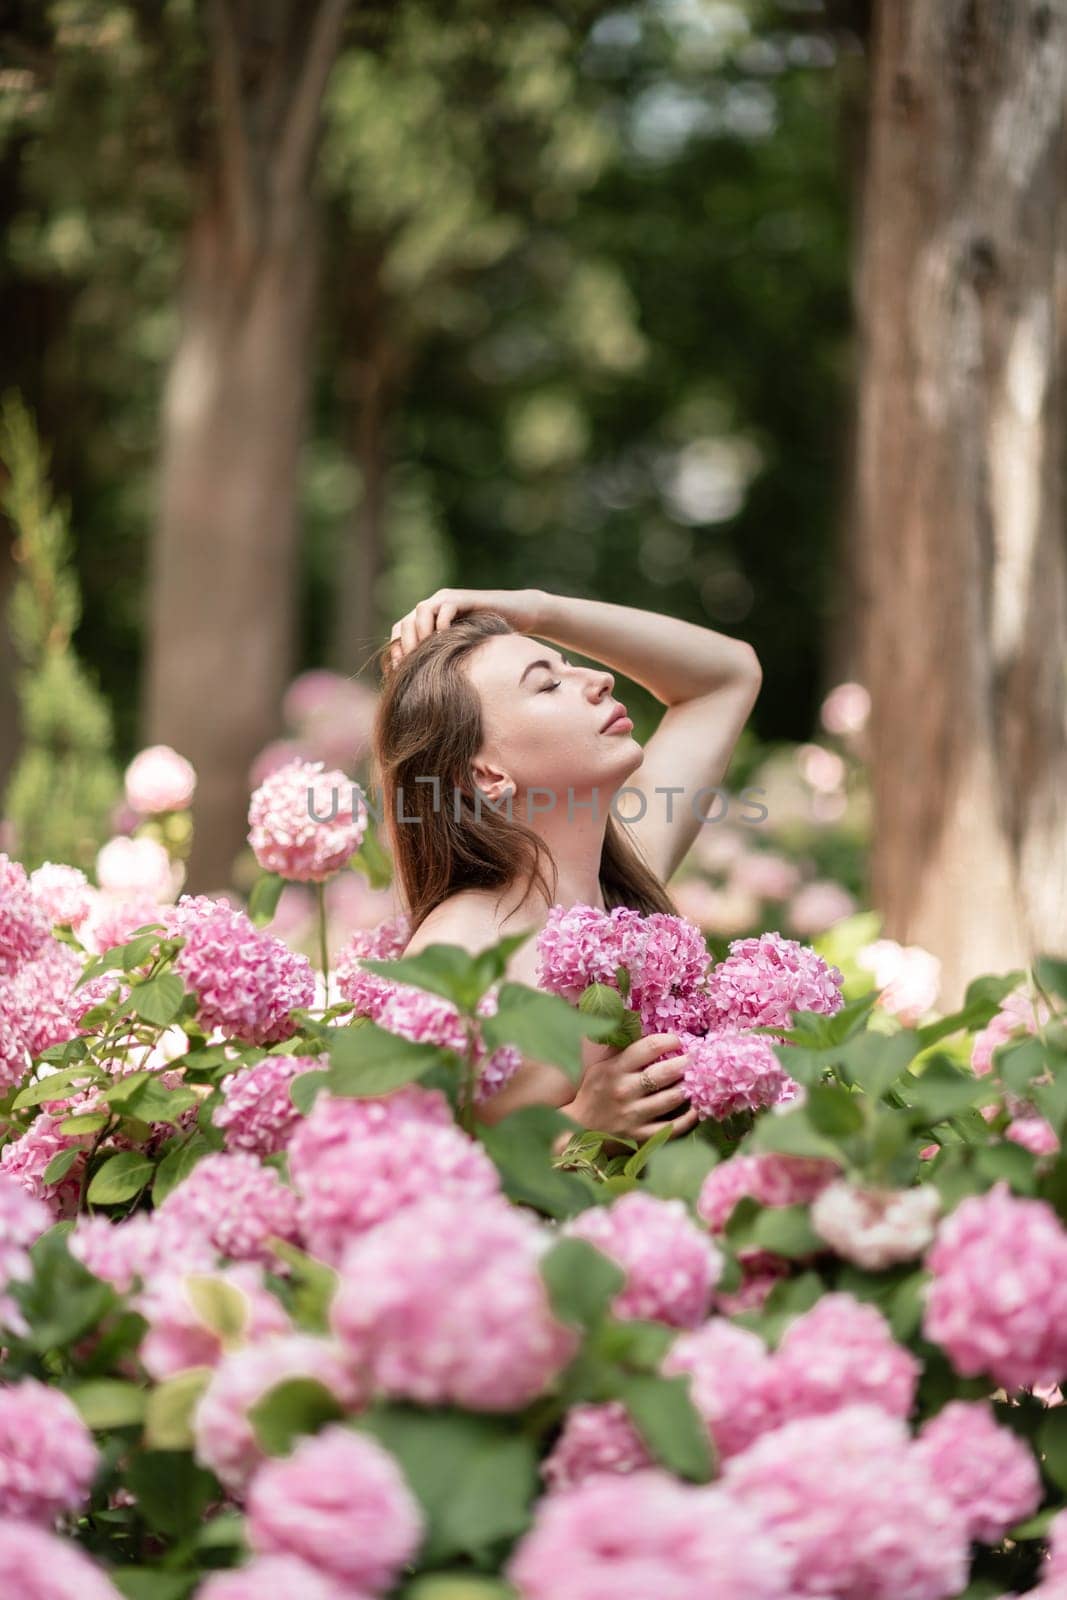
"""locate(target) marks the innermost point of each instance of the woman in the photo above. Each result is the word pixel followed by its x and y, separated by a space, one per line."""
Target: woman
pixel 499 758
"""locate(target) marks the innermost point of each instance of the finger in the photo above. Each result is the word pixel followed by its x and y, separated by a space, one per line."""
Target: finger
pixel 408 636
pixel 424 619
pixel 651 1048
pixel 395 654
pixel 685 1123
pixel 446 614
pixel 658 1105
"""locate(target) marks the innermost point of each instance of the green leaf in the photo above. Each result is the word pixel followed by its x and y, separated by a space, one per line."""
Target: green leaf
pixel 1007 1160
pixel 668 1422
pixel 83 1122
pixel 149 1583
pixel 368 1060
pixel 475 1477
pixel 456 1586
pixel 373 861
pixel 1051 974
pixel 787 1231
pixel 874 1061
pixel 313 1286
pixel 61 1164
pixel 305 1088
pixel 172 1491
pixel 170 1408
pixel 520 1144
pixel 109 1402
pixel 636 1163
pixel 62 1301
pixel 677 1171
pixel 120 1178
pixel 292 1408
pixel 942 1090
pixel 443 969
pixel 176 1165
pixel 1052 1443
pixel 263 901
pixel 57 1086
pixel 602 1001
pixel 581 1281
pixel 834 1111
pixel 159 1000
pixel 543 1026
pixel 790 1133
pixel 220 1306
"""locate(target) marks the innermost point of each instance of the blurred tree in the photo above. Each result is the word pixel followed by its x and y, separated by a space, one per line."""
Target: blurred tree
pixel 961 464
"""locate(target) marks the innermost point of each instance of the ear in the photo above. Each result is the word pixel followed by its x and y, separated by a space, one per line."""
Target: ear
pixel 491 779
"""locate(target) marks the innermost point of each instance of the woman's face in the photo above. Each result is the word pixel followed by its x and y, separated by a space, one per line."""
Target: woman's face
pixel 543 719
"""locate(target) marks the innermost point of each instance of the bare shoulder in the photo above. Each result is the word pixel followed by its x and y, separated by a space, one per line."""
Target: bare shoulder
pixel 470 919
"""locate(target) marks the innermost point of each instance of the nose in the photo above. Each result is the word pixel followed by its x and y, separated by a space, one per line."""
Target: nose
pixel 603 683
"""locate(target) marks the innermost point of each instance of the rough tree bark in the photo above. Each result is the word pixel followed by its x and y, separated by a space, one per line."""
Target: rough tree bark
pixel 223 588
pixel 960 462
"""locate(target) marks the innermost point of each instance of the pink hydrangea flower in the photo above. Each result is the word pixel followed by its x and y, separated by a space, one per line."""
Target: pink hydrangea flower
pixel 431 1019
pixel 764 980
pixel 1035 1134
pixel 988 1472
pixel 594 1438
pixel 816 907
pixel 1017 1015
pixel 444 1304
pixel 36 1565
pixel 755 1286
pixel 23 1218
pixel 277 1578
pixel 670 966
pixel 853 1503
pixel 159 779
pixel 730 1073
pixel 997 1302
pixel 356 1185
pixel 580 945
pixel 671 1266
pixel 839 1352
pixel 340 1503
pixel 1056 1569
pixel 246 981
pixel 876 1228
pixel 26 1160
pixel 646 1535
pixel 47 1455
pixel 24 925
pixel 336 1121
pixel 367 991
pixel 773 1180
pixel 179 1338
pixel 908 977
pixel 129 867
pixel 121 1253
pixel 14 1057
pixel 238 1204
pixel 731 1382
pixel 115 919
pixel 257 1113
pixel 305 823
pixel 225 1438
pixel 63 893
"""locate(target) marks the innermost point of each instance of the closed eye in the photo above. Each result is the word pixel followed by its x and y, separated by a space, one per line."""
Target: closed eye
pixel 546 686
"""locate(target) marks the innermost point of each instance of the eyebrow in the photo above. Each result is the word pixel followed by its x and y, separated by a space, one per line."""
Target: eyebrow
pixel 541 662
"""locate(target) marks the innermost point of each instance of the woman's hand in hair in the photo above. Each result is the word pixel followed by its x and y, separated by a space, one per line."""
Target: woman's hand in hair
pixel 522 608
pixel 629 1092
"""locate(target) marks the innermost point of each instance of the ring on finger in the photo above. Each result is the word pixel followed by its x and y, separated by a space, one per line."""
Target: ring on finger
pixel 646 1081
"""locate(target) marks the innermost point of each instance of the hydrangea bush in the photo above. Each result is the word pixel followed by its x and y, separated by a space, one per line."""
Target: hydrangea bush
pixel 281 1315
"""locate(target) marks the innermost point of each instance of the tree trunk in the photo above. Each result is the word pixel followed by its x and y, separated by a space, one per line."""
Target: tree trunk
pixel 224 578
pixel 963 553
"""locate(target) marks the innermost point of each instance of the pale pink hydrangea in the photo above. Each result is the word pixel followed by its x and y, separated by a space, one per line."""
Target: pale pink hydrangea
pixel 225 1438
pixel 987 1471
pixel 594 1438
pixel 668 965
pixel 237 1203
pixel 52 1009
pixel 26 1160
pixel 14 1057
pixel 764 980
pixel 142 866
pixel 766 874
pixel 277 1578
pixel 730 1073
pixel 23 1219
pixel 907 976
pixel 178 1336
pixel 876 1228
pixel 357 1184
pixel 47 1455
pixel 817 906
pixel 731 1382
pixel 671 1265
pixel 426 1018
pixel 24 925
pixel 246 981
pixel 839 1352
pixel 38 1565
pixel 1035 1134
pixel 63 893
pixel 1056 1568
pixel 997 1301
pixel 115 919
pixel 444 1304
pixel 335 1121
pixel 1018 1014
pixel 367 991
pixel 757 1283
pixel 644 1535
pixel 853 1503
pixel 159 779
pixel 772 1179
pixel 305 822
pixel 341 1503
pixel 139 1247
pixel 580 945
pixel 257 1112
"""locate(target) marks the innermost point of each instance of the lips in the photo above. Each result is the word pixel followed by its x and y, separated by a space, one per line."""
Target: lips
pixel 618 711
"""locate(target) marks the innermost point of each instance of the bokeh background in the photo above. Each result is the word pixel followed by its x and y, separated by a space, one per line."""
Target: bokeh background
pixel 748 312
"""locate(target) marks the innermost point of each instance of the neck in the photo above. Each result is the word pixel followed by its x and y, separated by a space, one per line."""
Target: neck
pixel 576 844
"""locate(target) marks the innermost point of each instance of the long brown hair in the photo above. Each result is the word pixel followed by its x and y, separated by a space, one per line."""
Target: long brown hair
pixel 429 725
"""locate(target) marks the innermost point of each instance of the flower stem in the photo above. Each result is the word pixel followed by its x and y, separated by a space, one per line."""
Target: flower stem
pixel 324 949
